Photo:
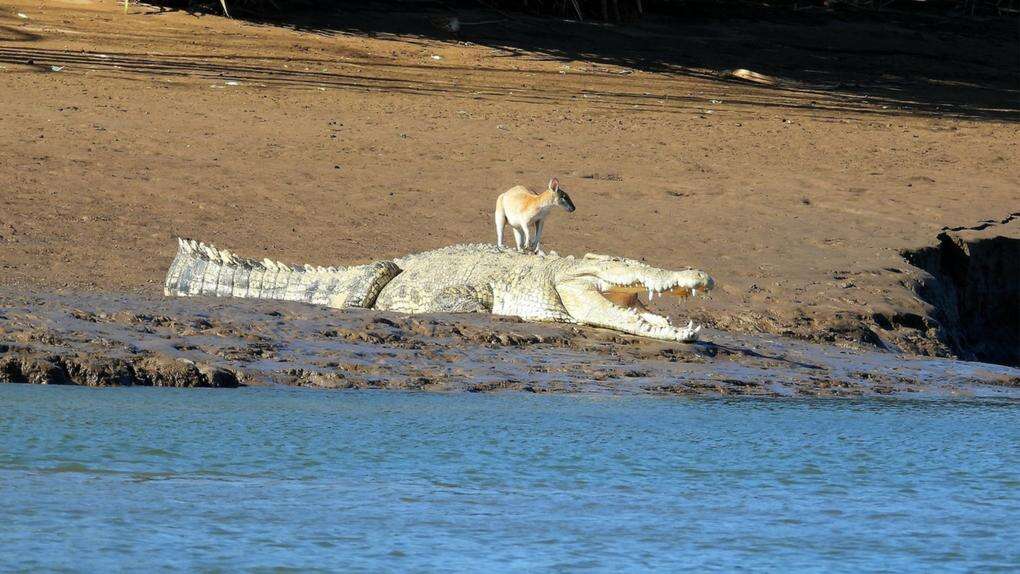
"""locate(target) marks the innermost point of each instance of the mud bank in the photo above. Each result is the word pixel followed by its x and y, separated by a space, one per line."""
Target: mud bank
pixel 371 136
pixel 973 286
pixel 104 340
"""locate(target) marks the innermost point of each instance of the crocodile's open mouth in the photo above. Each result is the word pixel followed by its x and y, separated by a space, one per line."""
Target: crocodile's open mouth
pixel 618 298
pixel 629 296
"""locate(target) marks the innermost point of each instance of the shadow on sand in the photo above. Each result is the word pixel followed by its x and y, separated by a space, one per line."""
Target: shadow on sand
pixel 877 63
pixel 917 63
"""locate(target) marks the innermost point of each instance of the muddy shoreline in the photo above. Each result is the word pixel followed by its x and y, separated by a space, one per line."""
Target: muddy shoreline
pixel 111 340
pixel 827 203
pixel 375 136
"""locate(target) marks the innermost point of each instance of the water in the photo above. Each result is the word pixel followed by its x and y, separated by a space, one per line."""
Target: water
pixel 141 479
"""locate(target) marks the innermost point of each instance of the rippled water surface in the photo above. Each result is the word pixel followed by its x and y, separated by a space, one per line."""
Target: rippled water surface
pixel 265 478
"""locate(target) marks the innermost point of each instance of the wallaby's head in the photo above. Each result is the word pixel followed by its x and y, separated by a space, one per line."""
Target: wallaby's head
pixel 562 199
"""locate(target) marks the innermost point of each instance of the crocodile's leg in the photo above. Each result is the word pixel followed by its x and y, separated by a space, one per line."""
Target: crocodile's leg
pixel 461 299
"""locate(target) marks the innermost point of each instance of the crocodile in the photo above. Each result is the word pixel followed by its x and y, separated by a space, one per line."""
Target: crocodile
pixel 596 290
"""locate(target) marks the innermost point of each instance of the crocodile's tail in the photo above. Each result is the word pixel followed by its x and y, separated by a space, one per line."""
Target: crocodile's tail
pixel 201 269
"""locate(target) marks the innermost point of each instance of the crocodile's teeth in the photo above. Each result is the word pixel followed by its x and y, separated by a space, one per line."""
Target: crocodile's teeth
pixel 651 294
pixel 694 293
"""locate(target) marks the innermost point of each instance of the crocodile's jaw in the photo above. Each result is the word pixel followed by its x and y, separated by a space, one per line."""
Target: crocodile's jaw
pixel 602 302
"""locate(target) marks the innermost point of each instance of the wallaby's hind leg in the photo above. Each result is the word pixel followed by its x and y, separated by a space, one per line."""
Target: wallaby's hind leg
pixel 500 222
pixel 518 237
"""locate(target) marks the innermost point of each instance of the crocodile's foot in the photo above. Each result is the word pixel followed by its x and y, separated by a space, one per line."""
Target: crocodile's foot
pixel 688 334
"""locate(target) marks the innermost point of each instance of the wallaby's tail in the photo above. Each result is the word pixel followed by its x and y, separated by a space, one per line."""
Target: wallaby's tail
pixel 200 269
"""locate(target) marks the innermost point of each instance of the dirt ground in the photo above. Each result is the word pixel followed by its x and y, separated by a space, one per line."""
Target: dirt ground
pixel 369 135
pixel 101 340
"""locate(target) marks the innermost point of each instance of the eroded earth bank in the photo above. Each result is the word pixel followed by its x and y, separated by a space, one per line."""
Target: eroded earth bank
pixel 863 197
pixel 103 340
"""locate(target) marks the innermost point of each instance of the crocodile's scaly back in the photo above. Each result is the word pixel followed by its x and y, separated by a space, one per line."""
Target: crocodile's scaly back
pixel 477 278
pixel 201 269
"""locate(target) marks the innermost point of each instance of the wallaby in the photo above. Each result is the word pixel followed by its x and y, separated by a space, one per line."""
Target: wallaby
pixel 521 208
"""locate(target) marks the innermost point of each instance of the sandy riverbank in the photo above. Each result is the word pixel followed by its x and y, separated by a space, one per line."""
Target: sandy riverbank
pixel 373 135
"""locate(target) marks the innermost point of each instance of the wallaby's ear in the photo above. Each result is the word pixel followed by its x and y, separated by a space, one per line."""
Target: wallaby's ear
pixel 554 184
